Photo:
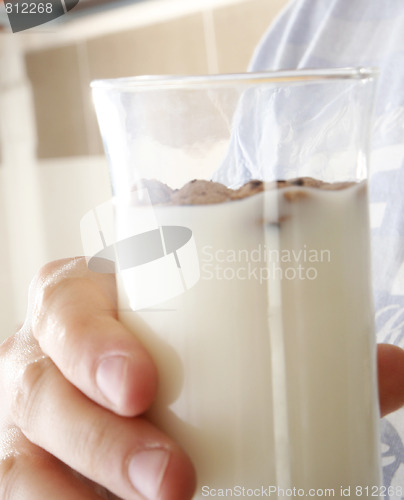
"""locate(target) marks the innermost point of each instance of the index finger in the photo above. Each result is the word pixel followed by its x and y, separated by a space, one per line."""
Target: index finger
pixel 73 315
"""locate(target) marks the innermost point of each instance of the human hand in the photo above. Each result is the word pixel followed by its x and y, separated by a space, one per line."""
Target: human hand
pixel 61 436
pixel 73 385
pixel 390 367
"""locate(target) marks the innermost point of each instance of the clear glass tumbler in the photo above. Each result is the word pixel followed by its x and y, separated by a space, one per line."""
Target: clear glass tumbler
pixel 241 248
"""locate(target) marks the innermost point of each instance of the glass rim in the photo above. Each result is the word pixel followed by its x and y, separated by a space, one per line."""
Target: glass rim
pixel 154 82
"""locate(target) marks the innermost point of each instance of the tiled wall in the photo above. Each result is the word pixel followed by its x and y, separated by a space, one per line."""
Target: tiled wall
pixel 218 40
pixel 71 172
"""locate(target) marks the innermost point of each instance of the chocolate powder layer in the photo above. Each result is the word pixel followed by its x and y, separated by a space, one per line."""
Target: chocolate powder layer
pixel 202 192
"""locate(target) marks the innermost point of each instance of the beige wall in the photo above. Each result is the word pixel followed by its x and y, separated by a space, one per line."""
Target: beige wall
pixel 70 169
pixel 210 41
pixel 7 312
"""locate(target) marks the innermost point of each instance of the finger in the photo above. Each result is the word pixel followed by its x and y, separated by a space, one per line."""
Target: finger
pixel 390 363
pixel 128 456
pixel 73 316
pixel 27 471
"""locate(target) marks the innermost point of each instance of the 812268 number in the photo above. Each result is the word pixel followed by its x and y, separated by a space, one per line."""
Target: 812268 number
pixel 28 8
pixel 379 491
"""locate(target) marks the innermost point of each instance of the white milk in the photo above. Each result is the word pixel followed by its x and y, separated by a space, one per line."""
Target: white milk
pixel 267 364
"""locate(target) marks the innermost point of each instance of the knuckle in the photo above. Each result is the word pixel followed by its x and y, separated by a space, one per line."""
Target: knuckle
pixel 27 387
pixel 11 451
pixel 8 475
pixel 51 291
pixel 102 448
pixel 15 353
pixel 17 468
pixel 93 445
pixel 44 284
pixel 62 287
pixel 6 347
pixel 9 354
pixel 52 272
pixel 55 268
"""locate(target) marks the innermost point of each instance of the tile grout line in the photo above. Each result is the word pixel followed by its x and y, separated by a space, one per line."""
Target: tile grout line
pixel 210 41
pixel 84 75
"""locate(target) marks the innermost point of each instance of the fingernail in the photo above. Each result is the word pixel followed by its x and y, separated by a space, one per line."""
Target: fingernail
pixel 146 471
pixel 111 376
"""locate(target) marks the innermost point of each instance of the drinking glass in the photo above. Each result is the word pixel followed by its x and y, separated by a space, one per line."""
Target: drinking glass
pixel 240 242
